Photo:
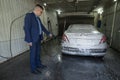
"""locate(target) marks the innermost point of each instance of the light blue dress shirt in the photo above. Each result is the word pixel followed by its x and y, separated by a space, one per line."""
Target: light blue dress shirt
pixel 39 24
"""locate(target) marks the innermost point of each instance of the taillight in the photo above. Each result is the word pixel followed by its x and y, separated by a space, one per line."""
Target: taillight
pixel 103 39
pixel 65 38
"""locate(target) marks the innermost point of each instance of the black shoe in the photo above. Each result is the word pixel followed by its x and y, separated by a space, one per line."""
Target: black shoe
pixel 38 70
pixel 42 66
pixel 35 72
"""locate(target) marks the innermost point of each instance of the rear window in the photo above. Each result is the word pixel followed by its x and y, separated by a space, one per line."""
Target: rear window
pixel 81 28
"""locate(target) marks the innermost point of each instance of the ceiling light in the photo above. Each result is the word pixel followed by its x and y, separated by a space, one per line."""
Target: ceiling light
pixel 100 10
pixel 59 11
pixel 45 4
pixel 115 0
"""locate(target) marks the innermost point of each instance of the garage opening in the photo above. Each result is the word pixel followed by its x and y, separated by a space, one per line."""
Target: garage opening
pixel 85 41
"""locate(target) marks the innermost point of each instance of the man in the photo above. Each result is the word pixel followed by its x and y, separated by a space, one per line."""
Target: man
pixel 33 35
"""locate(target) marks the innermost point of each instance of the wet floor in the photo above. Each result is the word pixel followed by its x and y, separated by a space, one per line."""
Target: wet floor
pixel 86 68
pixel 63 67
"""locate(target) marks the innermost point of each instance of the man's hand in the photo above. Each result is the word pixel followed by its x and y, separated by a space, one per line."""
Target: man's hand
pixel 30 44
pixel 50 35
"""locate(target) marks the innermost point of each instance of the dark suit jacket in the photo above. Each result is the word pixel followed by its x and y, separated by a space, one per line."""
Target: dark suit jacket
pixel 31 28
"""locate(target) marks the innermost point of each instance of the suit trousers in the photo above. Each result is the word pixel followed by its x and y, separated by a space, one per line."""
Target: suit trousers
pixel 35 51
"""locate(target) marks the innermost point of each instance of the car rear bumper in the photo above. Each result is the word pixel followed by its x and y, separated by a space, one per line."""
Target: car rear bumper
pixel 85 52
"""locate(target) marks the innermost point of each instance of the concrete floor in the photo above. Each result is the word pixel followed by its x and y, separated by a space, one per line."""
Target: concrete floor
pixel 91 68
pixel 70 68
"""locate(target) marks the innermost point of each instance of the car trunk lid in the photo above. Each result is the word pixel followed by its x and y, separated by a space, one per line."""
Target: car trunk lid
pixel 88 38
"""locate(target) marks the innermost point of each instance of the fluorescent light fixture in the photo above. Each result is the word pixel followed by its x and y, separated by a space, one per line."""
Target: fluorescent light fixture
pixel 59 11
pixel 100 10
pixel 45 4
pixel 115 0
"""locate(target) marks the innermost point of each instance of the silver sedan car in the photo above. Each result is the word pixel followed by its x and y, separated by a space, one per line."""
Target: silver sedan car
pixel 83 39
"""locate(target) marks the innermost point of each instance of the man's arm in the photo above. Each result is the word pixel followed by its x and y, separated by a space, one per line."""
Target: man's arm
pixel 45 30
pixel 27 28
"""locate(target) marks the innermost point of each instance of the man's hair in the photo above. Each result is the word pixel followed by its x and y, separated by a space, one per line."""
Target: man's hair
pixel 38 5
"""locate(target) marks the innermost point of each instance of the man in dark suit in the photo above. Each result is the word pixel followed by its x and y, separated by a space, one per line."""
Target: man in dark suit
pixel 33 28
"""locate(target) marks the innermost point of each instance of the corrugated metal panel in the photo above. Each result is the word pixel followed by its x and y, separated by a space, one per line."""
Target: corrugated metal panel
pixel 118 6
pixel 18 45
pixel 107 22
pixel 116 36
pixel 107 19
pixel 13 11
pixel 53 18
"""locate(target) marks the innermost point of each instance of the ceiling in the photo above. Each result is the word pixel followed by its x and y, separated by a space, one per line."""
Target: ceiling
pixel 73 5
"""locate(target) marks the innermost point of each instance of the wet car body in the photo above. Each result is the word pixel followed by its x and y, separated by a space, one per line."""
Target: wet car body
pixel 83 39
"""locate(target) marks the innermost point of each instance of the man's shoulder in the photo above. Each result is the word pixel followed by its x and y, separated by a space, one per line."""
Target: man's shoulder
pixel 29 14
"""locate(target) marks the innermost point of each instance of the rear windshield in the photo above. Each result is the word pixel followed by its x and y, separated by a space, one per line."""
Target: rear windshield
pixel 84 29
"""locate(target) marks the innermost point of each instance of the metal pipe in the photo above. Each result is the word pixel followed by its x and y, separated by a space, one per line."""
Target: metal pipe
pixel 113 23
pixel 64 25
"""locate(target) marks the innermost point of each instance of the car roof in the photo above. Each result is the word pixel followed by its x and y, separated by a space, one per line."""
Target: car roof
pixel 80 26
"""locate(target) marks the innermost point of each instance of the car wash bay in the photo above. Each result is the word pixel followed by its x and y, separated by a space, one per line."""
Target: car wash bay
pixel 57 16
